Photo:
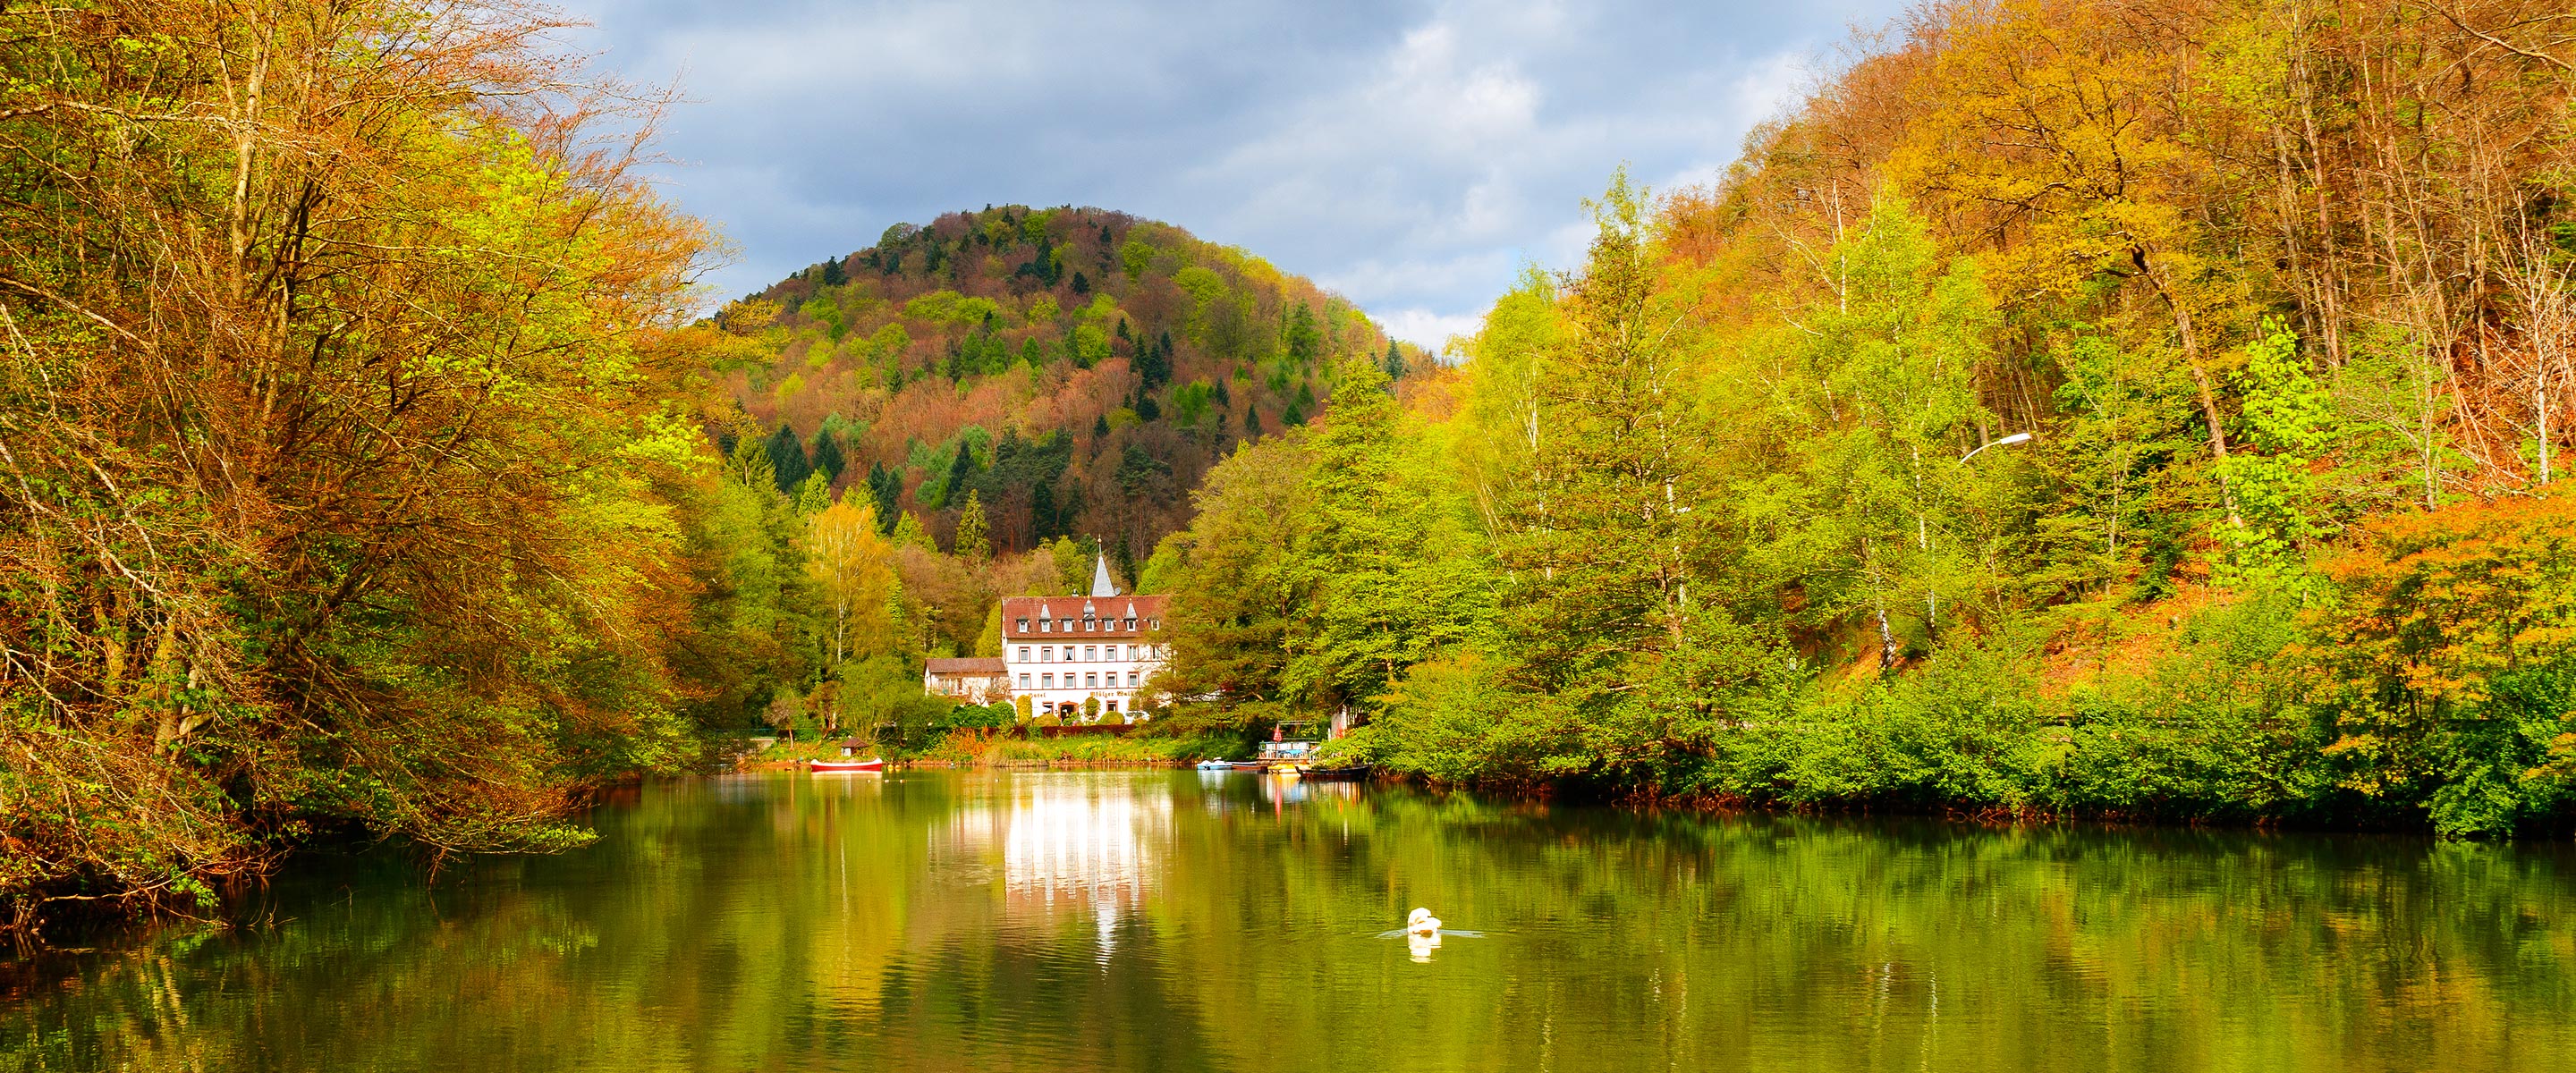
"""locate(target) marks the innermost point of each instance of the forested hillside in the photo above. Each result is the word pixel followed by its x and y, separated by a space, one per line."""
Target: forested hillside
pixel 1740 508
pixel 1073 371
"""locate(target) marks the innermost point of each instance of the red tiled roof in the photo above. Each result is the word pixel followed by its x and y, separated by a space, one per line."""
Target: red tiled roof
pixel 1112 611
pixel 980 665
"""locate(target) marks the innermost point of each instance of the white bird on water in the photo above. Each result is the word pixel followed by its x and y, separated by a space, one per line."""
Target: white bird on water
pixel 1421 922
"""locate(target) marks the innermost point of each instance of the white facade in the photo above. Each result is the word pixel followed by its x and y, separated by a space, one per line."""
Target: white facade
pixel 1059 651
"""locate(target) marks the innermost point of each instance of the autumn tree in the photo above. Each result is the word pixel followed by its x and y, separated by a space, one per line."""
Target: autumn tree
pixel 852 567
pixel 335 444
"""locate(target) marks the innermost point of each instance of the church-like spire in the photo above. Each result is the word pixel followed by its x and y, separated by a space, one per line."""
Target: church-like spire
pixel 1101 585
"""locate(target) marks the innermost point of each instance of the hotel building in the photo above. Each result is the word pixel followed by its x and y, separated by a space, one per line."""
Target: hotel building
pixel 1059 651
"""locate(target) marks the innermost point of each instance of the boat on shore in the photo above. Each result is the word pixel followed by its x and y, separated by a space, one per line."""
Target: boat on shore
pixel 831 767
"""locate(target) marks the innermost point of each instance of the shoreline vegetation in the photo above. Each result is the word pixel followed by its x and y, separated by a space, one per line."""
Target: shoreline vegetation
pixel 2071 408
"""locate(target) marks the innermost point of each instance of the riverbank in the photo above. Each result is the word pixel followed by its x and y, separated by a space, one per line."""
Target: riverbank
pixel 966 749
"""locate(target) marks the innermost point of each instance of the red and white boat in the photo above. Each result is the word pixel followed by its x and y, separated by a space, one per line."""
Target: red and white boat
pixel 826 767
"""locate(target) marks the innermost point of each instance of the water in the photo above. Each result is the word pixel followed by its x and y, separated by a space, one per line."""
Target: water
pixel 1186 921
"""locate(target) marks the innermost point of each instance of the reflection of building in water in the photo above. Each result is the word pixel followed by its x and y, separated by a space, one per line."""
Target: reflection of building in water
pixel 1067 841
pixel 1085 843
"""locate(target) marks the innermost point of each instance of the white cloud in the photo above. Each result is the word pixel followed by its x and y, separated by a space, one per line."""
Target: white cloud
pixel 1426 329
pixel 1412 156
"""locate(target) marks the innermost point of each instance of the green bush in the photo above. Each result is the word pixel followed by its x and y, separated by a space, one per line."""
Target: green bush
pixel 981 716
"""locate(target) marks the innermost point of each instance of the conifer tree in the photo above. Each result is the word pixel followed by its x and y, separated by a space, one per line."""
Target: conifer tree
pixel 908 532
pixel 750 465
pixel 813 494
pixel 828 458
pixel 887 490
pixel 787 459
pixel 1301 338
pixel 972 542
pixel 1044 520
pixel 961 471
pixel 1365 617
pixel 1154 366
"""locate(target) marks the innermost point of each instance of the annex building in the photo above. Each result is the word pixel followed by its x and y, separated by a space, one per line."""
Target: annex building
pixel 1059 651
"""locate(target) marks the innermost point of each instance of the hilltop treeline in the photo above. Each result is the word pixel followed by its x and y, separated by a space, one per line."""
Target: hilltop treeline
pixel 1074 370
pixel 2075 406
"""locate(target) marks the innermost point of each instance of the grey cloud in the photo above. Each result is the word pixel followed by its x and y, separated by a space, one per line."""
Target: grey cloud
pixel 1411 155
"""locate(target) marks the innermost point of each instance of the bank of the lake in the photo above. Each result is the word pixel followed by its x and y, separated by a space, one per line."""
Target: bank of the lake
pixel 1166 920
pixel 1007 748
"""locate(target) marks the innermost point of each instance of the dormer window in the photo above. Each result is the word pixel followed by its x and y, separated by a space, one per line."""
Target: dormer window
pixel 1131 624
pixel 1090 625
pixel 1024 625
pixel 1046 625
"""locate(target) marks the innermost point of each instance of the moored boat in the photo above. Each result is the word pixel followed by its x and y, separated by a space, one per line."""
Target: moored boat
pixel 1344 773
pixel 828 767
pixel 1216 765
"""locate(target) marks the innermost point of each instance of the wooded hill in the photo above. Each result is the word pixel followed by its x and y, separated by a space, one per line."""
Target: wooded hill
pixel 2075 406
pixel 1075 370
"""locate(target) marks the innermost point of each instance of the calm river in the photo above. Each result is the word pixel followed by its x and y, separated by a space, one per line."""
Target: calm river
pixel 1179 921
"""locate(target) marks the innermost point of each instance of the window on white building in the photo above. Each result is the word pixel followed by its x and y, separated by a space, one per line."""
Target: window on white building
pixel 1024 653
pixel 1068 653
pixel 1024 680
pixel 1090 654
pixel 1113 705
pixel 1047 653
pixel 1047 681
pixel 1131 679
pixel 1091 681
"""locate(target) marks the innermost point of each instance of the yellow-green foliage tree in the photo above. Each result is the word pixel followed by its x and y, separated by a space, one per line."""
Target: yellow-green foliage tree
pixel 336 446
pixel 1979 439
pixel 853 567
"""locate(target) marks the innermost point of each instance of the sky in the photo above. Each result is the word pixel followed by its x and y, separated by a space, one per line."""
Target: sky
pixel 1413 157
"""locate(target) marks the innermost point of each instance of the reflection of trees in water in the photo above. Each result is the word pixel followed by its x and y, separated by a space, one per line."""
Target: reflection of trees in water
pixel 1116 921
